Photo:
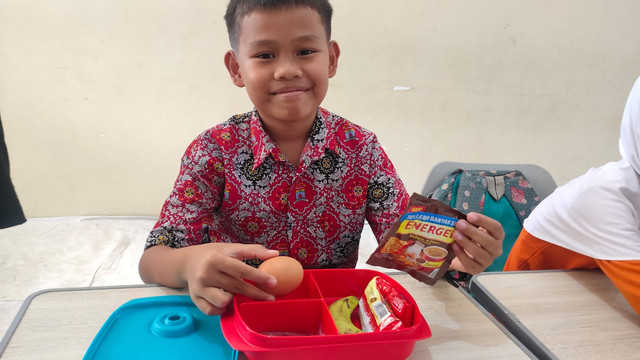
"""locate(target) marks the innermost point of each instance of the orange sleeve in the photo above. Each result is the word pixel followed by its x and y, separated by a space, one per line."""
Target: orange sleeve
pixel 624 275
pixel 531 253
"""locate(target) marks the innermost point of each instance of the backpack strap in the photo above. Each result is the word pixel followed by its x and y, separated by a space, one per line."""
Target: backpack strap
pixel 521 194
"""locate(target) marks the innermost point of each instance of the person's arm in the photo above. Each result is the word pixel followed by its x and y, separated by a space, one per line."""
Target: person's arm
pixel 478 240
pixel 624 275
pixel 212 272
pixel 178 253
pixel 387 197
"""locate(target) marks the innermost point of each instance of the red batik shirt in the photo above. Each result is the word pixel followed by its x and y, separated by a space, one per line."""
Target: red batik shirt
pixel 236 186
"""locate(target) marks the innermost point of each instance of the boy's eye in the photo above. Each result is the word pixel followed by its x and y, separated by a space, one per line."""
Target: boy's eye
pixel 305 52
pixel 265 56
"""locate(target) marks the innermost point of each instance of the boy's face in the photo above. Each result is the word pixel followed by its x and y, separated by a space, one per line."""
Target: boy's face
pixel 284 60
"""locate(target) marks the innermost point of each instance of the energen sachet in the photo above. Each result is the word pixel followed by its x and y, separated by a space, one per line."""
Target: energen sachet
pixel 420 241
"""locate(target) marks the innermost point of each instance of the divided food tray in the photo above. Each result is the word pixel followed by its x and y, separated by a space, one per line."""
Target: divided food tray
pixel 299 325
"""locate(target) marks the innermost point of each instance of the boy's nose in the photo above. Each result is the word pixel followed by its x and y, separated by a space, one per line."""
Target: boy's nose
pixel 287 68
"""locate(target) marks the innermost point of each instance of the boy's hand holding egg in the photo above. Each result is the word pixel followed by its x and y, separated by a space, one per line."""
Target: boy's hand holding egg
pixel 287 271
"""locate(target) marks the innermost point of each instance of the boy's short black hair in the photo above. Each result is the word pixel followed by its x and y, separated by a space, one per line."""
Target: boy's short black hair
pixel 238 9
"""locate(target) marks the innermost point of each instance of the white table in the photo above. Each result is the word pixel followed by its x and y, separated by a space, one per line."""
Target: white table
pixel 562 314
pixel 60 324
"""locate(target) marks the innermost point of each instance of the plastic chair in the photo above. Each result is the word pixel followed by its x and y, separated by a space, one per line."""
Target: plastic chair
pixel 540 179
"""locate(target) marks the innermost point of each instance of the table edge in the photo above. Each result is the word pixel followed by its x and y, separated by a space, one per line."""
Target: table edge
pixel 25 305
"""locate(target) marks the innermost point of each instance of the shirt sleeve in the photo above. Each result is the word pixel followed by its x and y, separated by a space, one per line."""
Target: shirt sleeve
pixel 387 197
pixel 624 275
pixel 188 212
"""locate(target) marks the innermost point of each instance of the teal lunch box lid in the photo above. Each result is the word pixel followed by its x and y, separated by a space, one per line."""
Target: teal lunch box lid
pixel 160 327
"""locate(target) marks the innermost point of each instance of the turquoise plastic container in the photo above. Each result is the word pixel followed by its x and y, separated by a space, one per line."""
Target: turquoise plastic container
pixel 161 327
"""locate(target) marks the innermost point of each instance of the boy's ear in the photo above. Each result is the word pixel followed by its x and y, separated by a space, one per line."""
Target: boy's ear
pixel 231 62
pixel 334 54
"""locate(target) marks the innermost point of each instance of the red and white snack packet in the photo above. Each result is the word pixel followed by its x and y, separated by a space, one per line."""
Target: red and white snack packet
pixel 383 308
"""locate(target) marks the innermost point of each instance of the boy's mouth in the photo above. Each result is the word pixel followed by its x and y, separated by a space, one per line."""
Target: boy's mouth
pixel 290 90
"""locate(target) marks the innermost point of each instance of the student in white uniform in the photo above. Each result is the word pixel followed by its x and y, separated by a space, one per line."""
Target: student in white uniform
pixel 593 221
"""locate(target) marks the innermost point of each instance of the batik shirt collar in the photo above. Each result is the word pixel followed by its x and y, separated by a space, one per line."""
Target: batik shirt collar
pixel 319 140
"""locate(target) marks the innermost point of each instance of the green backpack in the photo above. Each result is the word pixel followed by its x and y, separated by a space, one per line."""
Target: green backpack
pixel 506 196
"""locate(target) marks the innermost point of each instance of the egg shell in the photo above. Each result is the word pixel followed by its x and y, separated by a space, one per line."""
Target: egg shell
pixel 287 271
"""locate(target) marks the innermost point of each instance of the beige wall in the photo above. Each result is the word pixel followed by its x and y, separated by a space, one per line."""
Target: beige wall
pixel 99 98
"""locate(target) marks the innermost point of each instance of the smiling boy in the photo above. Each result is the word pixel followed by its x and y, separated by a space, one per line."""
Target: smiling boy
pixel 288 176
pixel 284 61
